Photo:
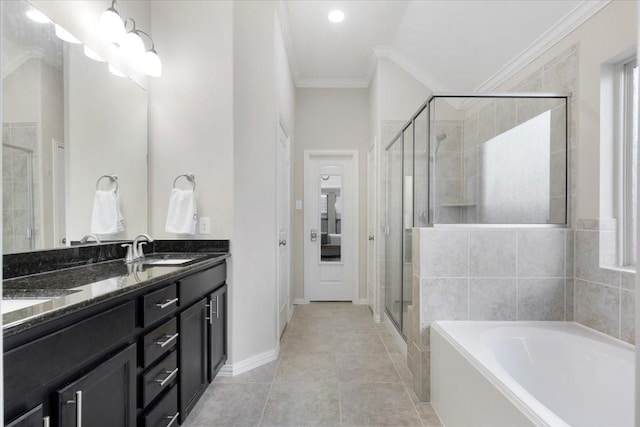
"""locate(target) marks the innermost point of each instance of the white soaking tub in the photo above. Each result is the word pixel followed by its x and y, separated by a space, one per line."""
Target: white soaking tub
pixel 530 373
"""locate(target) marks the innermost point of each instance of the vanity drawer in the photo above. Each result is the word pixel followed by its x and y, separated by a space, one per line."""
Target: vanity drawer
pixel 194 287
pixel 158 304
pixel 159 341
pixel 165 412
pixel 159 378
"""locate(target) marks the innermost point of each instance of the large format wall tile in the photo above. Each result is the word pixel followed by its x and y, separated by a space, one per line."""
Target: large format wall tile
pixel 587 259
pixel 541 253
pixel 492 299
pixel 444 253
pixel 445 299
pixel 492 253
pixel 627 316
pixel 541 299
pixel 597 306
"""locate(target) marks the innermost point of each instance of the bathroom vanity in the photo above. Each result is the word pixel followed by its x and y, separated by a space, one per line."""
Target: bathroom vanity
pixel 115 344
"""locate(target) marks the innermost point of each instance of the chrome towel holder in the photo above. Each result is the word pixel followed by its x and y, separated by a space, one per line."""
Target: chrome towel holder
pixel 189 176
pixel 113 178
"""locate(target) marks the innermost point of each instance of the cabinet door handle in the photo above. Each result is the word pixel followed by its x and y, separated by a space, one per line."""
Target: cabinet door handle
pixel 78 403
pixel 173 419
pixel 217 313
pixel 166 303
pixel 168 378
pixel 45 422
pixel 168 339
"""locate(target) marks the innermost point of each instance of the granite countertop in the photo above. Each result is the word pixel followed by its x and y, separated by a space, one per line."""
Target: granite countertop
pixel 38 298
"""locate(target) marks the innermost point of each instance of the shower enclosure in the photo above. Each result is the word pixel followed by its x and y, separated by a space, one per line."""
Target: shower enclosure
pixel 17 198
pixel 473 160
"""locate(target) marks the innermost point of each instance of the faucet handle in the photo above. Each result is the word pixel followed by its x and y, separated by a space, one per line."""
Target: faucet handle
pixel 139 251
pixel 129 257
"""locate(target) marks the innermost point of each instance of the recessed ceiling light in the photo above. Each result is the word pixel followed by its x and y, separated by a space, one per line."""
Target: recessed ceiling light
pixel 336 16
pixel 38 16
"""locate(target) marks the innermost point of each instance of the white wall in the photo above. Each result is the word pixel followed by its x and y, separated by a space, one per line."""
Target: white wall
pixel 400 93
pixel 190 111
pixel 330 119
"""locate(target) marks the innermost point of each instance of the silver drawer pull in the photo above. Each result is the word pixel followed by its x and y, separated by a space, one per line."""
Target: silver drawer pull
pixel 45 422
pixel 169 377
pixel 78 403
pixel 173 419
pixel 166 303
pixel 168 339
pixel 217 312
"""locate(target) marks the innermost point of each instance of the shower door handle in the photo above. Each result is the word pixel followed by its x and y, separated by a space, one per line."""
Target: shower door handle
pixel 314 235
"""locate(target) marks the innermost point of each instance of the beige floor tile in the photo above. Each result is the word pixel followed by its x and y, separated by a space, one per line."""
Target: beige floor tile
pixel 230 405
pixel 357 343
pixel 305 326
pixel 390 344
pixel 366 368
pixel 303 404
pixel 262 374
pixel 428 415
pixel 400 362
pixel 354 326
pixel 376 405
pixel 309 343
pixel 307 367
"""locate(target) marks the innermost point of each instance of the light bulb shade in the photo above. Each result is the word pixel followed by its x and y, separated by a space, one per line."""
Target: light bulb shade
pixel 111 25
pixel 133 46
pixel 37 16
pixel 65 35
pixel 92 55
pixel 113 70
pixel 151 64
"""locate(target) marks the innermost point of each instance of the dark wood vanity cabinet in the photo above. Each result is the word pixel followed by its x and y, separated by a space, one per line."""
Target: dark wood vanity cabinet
pixel 145 360
pixel 104 397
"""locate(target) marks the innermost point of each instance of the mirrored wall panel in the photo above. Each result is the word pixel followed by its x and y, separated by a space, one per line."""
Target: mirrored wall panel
pixel 66 121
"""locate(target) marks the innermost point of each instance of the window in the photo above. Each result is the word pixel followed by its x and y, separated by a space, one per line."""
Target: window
pixel 628 142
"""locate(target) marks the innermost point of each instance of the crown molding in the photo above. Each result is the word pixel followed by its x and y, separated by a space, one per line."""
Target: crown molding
pixel 576 17
pixel 283 15
pixel 333 83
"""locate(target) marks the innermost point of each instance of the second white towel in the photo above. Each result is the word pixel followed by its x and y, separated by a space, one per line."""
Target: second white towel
pixel 182 216
pixel 106 217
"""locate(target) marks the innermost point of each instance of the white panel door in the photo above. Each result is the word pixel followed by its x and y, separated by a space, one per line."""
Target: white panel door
pixel 283 228
pixel 331 226
pixel 371 207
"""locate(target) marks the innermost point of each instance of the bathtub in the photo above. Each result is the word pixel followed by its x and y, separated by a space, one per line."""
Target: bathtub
pixel 530 374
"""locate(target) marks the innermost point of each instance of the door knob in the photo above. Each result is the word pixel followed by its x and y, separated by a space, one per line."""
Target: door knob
pixel 282 243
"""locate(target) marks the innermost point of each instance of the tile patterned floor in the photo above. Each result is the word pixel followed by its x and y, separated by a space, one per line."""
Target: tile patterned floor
pixel 337 367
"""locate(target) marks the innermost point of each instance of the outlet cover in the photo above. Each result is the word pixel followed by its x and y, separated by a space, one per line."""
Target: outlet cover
pixel 204 225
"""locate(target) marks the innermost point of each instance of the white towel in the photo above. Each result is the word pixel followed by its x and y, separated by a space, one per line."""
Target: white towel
pixel 106 217
pixel 183 213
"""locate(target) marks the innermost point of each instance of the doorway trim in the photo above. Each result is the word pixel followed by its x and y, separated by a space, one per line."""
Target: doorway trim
pixel 283 132
pixel 350 155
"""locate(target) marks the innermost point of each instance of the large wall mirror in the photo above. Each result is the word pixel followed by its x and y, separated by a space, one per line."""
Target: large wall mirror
pixel 66 122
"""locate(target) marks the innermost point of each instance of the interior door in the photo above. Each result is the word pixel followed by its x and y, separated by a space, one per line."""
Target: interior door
pixel 371 206
pixel 331 226
pixel 283 228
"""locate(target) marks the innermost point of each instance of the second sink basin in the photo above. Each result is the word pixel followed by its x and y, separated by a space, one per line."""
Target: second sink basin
pixel 167 261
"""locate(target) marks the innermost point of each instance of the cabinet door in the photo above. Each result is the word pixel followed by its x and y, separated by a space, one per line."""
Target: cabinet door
pixel 105 397
pixel 193 356
pixel 33 418
pixel 217 331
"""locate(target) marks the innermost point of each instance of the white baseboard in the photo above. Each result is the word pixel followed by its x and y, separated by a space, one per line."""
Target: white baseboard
pixel 299 301
pixel 233 369
pixel 377 318
pixel 361 301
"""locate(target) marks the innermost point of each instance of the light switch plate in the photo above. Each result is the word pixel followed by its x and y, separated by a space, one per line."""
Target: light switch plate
pixel 204 225
pixel 299 204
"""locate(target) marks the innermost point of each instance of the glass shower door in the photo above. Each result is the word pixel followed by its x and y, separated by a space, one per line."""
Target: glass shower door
pixel 394 231
pixel 17 199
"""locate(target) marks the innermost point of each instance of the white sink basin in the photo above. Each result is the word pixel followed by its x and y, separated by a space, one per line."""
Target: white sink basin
pixel 169 261
pixel 9 305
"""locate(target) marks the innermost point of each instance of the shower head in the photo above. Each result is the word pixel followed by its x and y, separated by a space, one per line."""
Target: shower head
pixel 441 137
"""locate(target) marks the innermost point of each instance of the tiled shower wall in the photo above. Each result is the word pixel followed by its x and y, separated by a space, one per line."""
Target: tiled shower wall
pixel 485 274
pixel 16 215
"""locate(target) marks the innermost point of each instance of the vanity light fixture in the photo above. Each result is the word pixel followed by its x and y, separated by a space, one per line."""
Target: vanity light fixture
pixel 92 55
pixel 132 43
pixel 336 16
pixel 65 35
pixel 111 24
pixel 37 16
pixel 151 64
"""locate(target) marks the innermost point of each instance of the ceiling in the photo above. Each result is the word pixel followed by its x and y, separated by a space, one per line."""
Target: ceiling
pixel 448 45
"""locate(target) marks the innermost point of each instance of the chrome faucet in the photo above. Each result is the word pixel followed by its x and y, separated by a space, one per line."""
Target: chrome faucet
pixel 86 238
pixel 138 243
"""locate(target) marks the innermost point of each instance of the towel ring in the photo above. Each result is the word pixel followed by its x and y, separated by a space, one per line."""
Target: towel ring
pixel 112 178
pixel 189 176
